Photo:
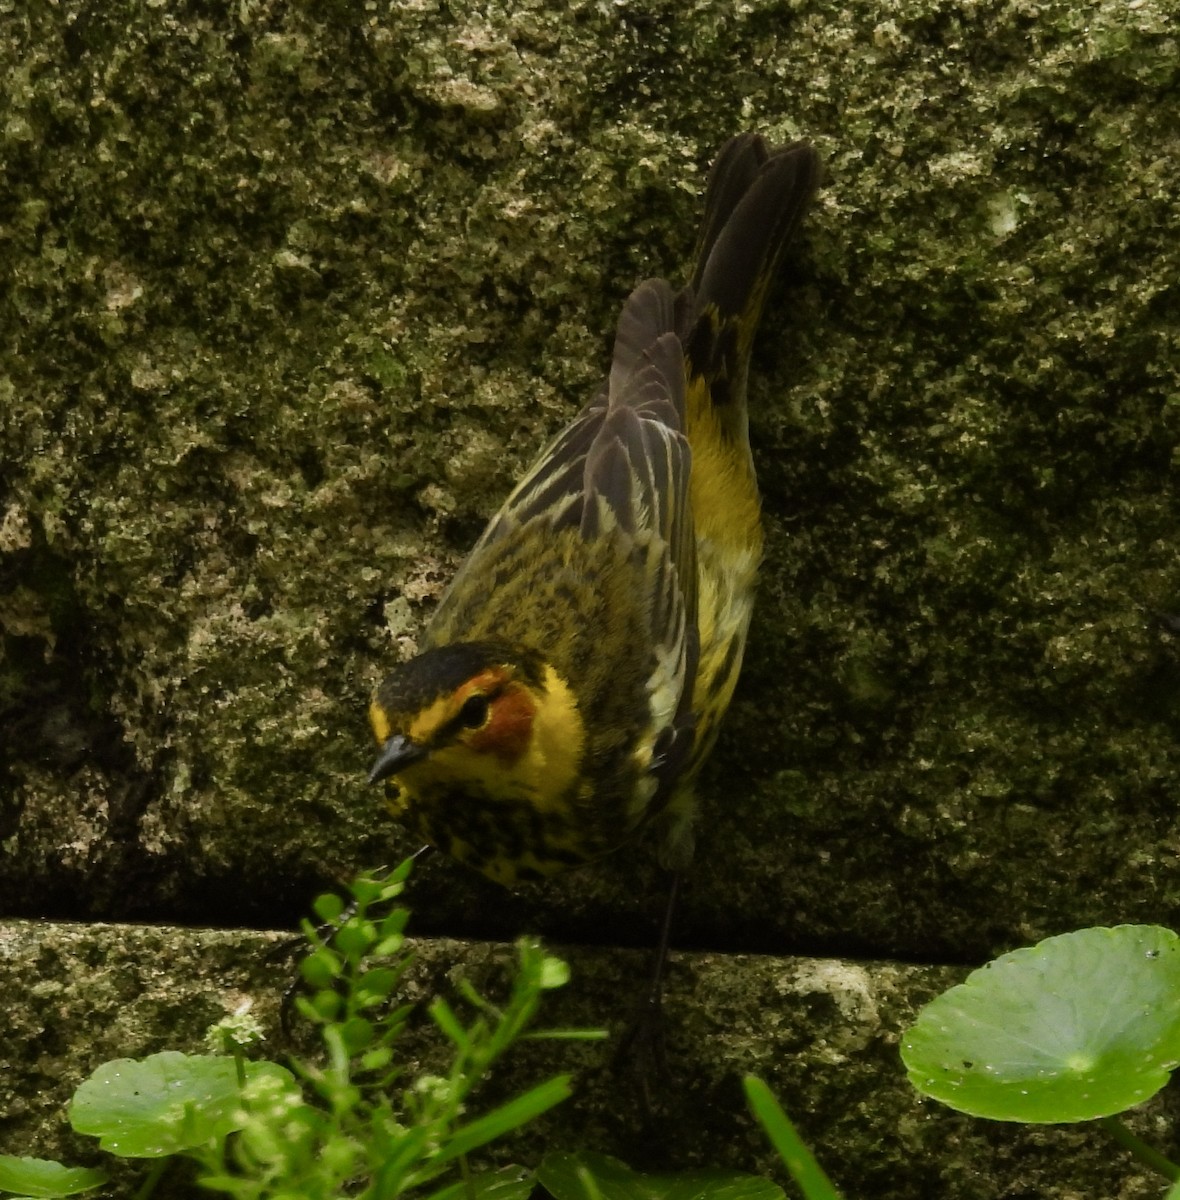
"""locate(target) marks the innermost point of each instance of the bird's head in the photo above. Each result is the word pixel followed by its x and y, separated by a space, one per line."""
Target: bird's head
pixel 481 746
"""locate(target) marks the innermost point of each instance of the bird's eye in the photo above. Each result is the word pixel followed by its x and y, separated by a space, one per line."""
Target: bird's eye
pixel 474 712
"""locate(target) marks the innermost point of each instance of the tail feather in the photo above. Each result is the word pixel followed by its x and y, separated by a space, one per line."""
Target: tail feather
pixel 755 201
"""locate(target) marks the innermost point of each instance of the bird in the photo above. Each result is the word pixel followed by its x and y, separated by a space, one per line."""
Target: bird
pixel 574 675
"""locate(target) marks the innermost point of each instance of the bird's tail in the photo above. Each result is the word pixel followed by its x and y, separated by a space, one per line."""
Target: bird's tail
pixel 755 201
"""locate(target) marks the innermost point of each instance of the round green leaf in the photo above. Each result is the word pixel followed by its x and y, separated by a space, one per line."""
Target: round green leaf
pixel 43 1178
pixel 1081 1026
pixel 163 1104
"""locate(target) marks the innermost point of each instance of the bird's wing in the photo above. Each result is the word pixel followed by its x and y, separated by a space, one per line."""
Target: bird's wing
pixel 623 464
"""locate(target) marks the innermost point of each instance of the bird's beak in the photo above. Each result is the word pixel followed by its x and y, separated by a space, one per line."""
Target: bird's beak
pixel 398 752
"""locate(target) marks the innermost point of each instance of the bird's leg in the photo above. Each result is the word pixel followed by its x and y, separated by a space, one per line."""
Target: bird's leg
pixel 642 1047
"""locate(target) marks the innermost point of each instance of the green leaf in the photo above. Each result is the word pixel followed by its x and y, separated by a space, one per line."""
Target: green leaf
pixel 554 973
pixel 1082 1025
pixel 561 1175
pixel 797 1158
pixel 444 1017
pixel 376 1060
pixel 321 968
pixel 365 890
pixel 376 985
pixel 328 907
pixel 354 937
pixel 43 1178
pixel 163 1104
pixel 389 945
pixel 508 1183
pixel 392 925
pixel 369 888
pixel 325 1005
pixel 506 1118
pixel 357 1034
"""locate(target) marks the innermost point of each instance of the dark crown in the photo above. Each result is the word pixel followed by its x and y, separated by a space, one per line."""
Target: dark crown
pixel 438 672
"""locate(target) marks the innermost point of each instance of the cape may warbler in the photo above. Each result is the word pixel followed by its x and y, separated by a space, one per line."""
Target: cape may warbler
pixel 573 678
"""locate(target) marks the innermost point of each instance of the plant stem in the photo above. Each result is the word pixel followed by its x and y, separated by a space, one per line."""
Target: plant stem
pixel 465 1171
pixel 152 1178
pixel 1140 1149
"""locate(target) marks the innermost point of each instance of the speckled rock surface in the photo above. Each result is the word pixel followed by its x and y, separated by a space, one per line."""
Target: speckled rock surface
pixel 289 297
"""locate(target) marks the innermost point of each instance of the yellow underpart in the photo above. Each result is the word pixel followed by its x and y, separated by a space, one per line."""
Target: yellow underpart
pixel 549 765
pixel 727 514
pixel 725 505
